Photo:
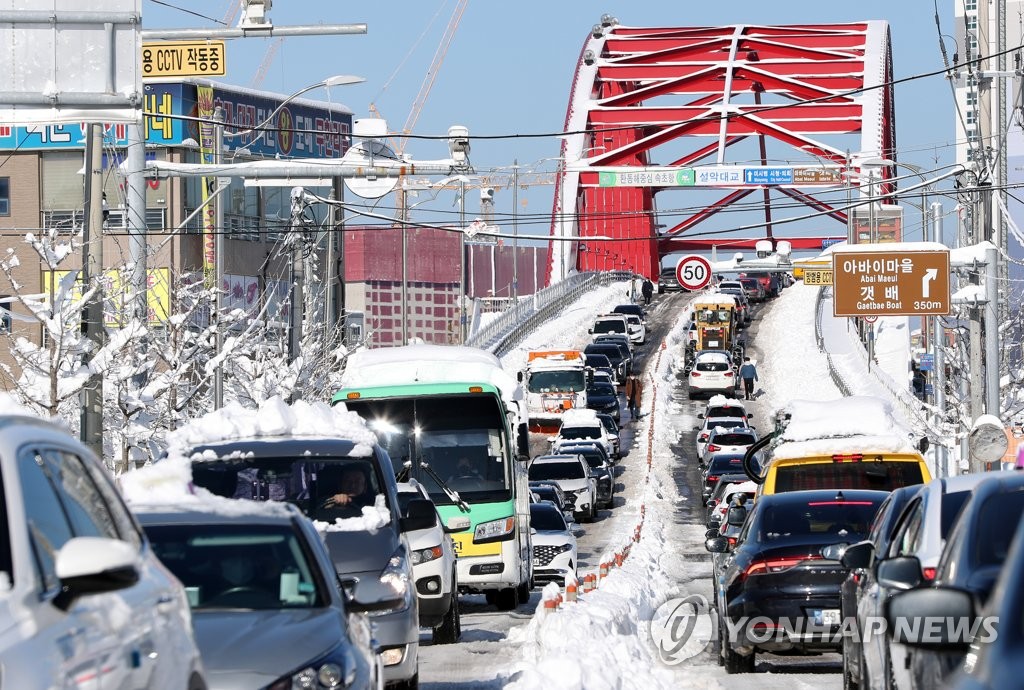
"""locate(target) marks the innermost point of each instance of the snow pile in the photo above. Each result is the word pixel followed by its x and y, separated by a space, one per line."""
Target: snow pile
pixel 579 416
pixel 274 417
pixel 373 518
pixel 849 425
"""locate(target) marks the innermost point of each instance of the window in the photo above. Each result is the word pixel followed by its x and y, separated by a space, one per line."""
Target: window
pixel 972 22
pixel 5 196
pixel 48 528
pixel 83 505
pixel 970 5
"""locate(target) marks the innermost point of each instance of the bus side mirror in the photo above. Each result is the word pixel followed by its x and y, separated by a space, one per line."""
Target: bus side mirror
pixel 523 439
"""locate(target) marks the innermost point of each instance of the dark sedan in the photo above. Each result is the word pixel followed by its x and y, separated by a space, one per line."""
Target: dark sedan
pixel 600 469
pixel 780 590
pixel 602 397
pixel 615 355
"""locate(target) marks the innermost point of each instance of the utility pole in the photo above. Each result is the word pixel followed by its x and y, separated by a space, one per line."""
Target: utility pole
pixel 295 232
pixel 91 431
pixel 462 262
pixel 992 332
pixel 515 231
pixel 218 259
pixel 937 343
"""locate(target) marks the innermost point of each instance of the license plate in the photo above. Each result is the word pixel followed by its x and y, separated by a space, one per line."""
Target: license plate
pixel 826 616
pixel 536 561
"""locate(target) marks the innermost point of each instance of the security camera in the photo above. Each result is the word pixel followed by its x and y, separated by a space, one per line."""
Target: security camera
pixel 487 194
pixel 458 143
pixel 588 57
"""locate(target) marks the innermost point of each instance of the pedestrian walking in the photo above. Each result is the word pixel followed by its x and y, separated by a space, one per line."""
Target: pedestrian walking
pixel 748 372
pixel 648 290
pixel 634 394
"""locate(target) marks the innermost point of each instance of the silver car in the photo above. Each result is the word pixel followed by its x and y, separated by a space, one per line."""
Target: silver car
pixel 267 609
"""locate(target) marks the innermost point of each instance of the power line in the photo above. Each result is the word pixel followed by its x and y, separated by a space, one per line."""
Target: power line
pixel 187 11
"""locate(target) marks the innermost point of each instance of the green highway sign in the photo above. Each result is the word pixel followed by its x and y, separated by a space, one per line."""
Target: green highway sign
pixel 662 177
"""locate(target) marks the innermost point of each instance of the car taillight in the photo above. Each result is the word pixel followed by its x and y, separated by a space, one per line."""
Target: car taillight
pixel 712 478
pixel 694 374
pixel 713 447
pixel 776 565
pixel 732 541
pixel 853 457
pixel 728 374
pixel 928 573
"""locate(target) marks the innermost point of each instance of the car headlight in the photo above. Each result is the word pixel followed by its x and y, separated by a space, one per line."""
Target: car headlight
pixel 336 669
pixel 564 547
pixel 396 573
pixel 426 555
pixel 495 530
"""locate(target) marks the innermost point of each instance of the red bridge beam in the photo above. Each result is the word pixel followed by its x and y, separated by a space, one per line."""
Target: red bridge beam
pixel 671 244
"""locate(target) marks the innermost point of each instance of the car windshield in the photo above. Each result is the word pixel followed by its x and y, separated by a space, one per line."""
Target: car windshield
pixel 825 520
pixel 601 388
pixel 725 411
pixel 610 326
pixel 573 432
pixel 731 439
pixel 240 566
pixel 571 381
pixel 309 484
pixel 556 470
pixel 712 365
pixel 545 519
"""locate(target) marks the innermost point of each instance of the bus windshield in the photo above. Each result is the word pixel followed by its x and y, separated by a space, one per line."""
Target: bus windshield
pixel 461 439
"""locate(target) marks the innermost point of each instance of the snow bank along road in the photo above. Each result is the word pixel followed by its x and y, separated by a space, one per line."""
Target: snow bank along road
pixel 605 640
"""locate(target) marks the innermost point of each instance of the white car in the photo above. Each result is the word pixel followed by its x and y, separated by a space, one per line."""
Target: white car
pixel 727 440
pixel 721 406
pixel 572 474
pixel 84 601
pixel 434 569
pixel 609 324
pixel 554 544
pixel 637 329
pixel 713 372
pixel 712 423
pixel 583 425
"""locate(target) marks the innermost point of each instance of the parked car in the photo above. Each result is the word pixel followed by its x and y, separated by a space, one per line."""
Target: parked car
pixel 713 372
pixel 619 359
pixel 667 281
pixel 754 289
pixel 921 531
pixel 84 597
pixel 860 589
pixel 554 545
pixel 600 465
pixel 373 560
pixel 720 406
pixel 433 566
pixel 607 324
pixel 637 329
pixel 971 561
pixel 734 440
pixel 634 309
pixel 266 607
pixel 612 427
pixel 624 343
pixel 601 363
pixel 704 430
pixel 996 661
pixel 572 474
pixel 719 464
pixel 769 281
pixel 785 568
pixel 603 397
pixel 553 494
pixel 583 425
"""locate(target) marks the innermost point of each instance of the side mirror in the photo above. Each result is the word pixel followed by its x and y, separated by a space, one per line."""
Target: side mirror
pixel 911 616
pixel 901 573
pixel 750 415
pixel 737 516
pixel 419 515
pixel 858 556
pixel 700 416
pixel 94 565
pixel 712 533
pixel 717 545
pixel 713 524
pixel 457 524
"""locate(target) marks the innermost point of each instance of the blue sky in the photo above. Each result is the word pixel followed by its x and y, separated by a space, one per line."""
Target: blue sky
pixel 510 66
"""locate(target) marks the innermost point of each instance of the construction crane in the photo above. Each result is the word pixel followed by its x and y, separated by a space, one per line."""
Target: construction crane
pixel 231 14
pixel 268 58
pixel 421 97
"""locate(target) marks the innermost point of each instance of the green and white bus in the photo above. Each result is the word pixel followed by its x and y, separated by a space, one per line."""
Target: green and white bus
pixel 454 420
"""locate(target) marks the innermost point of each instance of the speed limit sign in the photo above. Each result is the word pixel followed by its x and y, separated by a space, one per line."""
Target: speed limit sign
pixel 870 319
pixel 693 272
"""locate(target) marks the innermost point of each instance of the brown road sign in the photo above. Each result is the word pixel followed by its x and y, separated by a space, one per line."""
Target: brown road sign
pixel 891 283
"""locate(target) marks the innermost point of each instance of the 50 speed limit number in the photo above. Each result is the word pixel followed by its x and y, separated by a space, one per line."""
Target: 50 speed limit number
pixel 693 272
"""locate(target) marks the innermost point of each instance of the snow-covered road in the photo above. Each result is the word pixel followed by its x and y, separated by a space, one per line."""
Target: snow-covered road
pixel 604 641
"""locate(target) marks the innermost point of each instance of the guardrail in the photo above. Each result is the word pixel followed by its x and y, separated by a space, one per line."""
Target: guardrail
pixel 508 330
pixel 837 378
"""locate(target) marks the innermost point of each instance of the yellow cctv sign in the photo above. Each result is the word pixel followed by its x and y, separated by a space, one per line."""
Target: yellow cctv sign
pixel 183 59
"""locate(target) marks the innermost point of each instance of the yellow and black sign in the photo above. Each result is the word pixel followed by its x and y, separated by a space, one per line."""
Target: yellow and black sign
pixel 183 59
pixel 817 276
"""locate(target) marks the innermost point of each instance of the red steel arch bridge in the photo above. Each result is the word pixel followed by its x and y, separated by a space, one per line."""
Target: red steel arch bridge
pixel 680 138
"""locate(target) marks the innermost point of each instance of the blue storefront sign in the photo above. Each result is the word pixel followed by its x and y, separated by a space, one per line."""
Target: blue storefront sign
pixel 299 130
pixel 927 362
pixel 829 241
